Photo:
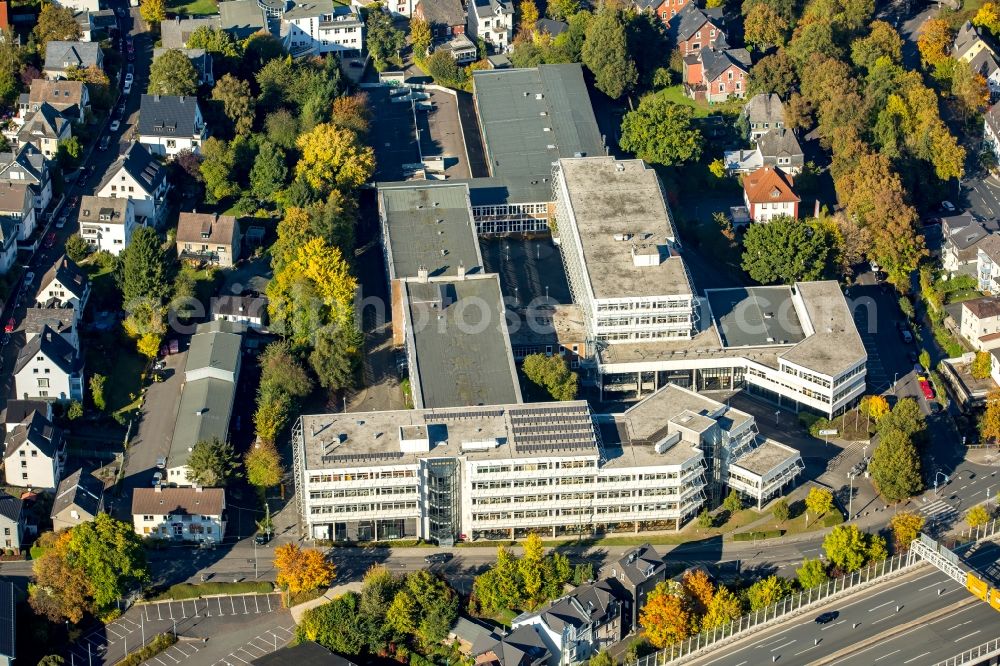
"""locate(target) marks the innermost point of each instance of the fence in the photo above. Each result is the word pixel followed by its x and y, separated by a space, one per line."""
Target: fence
pixel 975 655
pixel 760 618
pixel 981 532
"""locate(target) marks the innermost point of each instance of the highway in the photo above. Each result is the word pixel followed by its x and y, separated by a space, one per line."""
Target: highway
pixel 918 619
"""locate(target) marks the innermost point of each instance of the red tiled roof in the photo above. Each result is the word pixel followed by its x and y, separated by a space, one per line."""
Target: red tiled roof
pixel 769 185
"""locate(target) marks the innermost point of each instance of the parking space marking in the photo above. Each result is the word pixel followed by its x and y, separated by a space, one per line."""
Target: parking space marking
pixel 256 603
pixel 232 604
pixel 245 611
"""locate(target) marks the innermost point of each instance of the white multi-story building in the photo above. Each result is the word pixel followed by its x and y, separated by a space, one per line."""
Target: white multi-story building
pixel 140 178
pixel 492 21
pixel 107 223
pixel 49 367
pixel 169 124
pixel 322 26
pixel 180 514
pixel 621 251
pixel 34 454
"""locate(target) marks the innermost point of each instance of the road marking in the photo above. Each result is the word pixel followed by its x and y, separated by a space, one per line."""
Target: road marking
pixel 927 587
pixel 232 605
pixel 167 654
pixel 245 611
pixel 783 645
pixel 219 600
pixel 833 625
pixel 880 606
pixel 159 616
pixel 888 655
pixel 269 603
pixel 960 624
pixel 967 635
pixel 235 657
pixel 804 651
pixel 170 607
pixel 917 657
pixel 256 603
pixel 884 618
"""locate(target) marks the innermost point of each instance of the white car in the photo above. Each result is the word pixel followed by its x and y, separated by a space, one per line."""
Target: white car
pixel 129 77
pixel 115 124
pixel 948 206
pixel 128 87
pixel 157 477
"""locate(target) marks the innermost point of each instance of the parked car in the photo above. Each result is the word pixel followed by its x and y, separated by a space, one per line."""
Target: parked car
pixel 827 617
pixel 262 538
pixel 11 325
pixel 948 206
pixel 926 387
pixel 128 87
pixel 171 347
pixel 50 240
pixel 29 277
pixel 61 222
pixel 161 462
pixel 115 124
pixel 105 142
pixel 906 335
pixel 129 77
pixel 437 558
pixel 157 477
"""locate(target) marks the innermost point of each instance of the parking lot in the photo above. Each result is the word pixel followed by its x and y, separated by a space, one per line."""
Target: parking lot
pixel 265 643
pixel 248 604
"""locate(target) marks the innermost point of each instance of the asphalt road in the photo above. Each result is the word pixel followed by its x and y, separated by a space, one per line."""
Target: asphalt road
pixel 893 616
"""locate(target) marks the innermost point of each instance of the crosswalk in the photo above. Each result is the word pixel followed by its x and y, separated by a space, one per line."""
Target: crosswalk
pixel 938 510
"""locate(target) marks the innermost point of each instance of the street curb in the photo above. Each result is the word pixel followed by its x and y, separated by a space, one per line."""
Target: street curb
pixel 889 633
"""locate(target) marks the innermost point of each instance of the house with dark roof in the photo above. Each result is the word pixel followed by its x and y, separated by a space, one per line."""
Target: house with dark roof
pixel 991 130
pixel 306 653
pixel 580 624
pixel 174 33
pixel 8 607
pixel 180 514
pixel 492 21
pixel 637 572
pixel 980 322
pixel 169 124
pixel 62 320
pixel 962 233
pixel 715 75
pixel 28 165
pixel 768 193
pixel 107 223
pixel 12 203
pixel 137 176
pixel 985 64
pixel 70 98
pixel 11 522
pixel 34 453
pixel 79 498
pixel 695 28
pixel 17 207
pixel 551 26
pixel 523 646
pixel 200 59
pixel 243 18
pixel 208 238
pixel 250 311
pixel 61 56
pixel 48 367
pixel 968 43
pixel 19 410
pixel 44 129
pixel 64 286
pixel 764 112
pixel 445 17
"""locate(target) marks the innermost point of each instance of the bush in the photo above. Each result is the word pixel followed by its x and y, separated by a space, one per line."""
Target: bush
pixel 159 643
pixel 193 590
pixel 753 536
pixel 906 306
pixel 833 518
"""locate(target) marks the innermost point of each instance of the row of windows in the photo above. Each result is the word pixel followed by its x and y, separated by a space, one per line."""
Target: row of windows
pixel 808 376
pixel 645 335
pixel 535 467
pixel 363 476
pixel 815 395
pixel 645 320
pixel 362 508
pixel 668 304
pixel 361 492
pixel 850 375
pixel 495 516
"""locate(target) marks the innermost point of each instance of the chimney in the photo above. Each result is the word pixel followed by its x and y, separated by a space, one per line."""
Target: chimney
pixel 422 274
pixel 158 489
pixel 461 269
pixel 156 97
pixel 197 489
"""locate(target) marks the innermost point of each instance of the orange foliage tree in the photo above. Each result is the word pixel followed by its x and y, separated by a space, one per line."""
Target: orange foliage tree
pixel 302 569
pixel 665 618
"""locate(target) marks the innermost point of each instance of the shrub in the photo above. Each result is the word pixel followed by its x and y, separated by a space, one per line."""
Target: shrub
pixel 193 591
pixel 159 643
pixel 753 536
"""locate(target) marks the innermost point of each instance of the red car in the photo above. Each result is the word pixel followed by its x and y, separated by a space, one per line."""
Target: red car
pixel 50 240
pixel 926 387
pixel 11 324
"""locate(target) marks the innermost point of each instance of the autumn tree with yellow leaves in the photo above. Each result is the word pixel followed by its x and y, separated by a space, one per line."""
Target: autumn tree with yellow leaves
pixel 934 41
pixel 989 424
pixel 333 157
pixel 665 619
pixel 302 569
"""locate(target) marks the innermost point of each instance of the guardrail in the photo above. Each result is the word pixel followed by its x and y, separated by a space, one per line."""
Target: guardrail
pixel 976 654
pixel 788 606
pixel 982 532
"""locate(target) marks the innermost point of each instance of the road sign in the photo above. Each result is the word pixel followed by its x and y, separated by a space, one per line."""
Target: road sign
pixel 827 433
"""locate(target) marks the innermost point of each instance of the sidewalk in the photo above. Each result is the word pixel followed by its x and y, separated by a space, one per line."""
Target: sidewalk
pixel 335 591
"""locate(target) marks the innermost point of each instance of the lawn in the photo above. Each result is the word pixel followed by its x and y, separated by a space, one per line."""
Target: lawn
pixel 676 95
pixel 193 8
pixel 193 591
pixel 113 355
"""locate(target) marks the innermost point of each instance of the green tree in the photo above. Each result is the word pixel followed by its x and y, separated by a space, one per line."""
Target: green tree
pixel 981 365
pixel 785 250
pixel 153 11
pixel 781 510
pixel 500 588
pixel 212 463
pixel 263 465
pixel 420 35
pixel 281 128
pixel 606 54
pixel 216 41
pixel 444 70
pixel 882 42
pixel 144 269
pixel 333 157
pixel 217 164
pixel 725 607
pixel 111 555
pixel 77 248
pixel 764 27
pixel 905 418
pixel 819 501
pixel 97 391
pixel 895 467
pixel 531 567
pixel 281 370
pixel 402 613
pixel 551 373
pixel 237 103
pixel 906 527
pixel 561 10
pixel 437 606
pixel 269 173
pixel 378 591
pixel 812 573
pixel 705 519
pixel 661 132
pixel 383 40
pixel 172 74
pixel 69 152
pixel 74 411
pixel 335 356
pixel 774 73
pixel 55 23
pixel 56 660
pixel 336 626
pixel 733 502
pixel 768 591
pixel 271 415
pixel 847 547
pixel 602 658
pixel 977 516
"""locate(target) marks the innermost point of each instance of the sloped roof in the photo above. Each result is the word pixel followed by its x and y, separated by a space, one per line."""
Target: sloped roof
pixel 521 647
pixel 715 62
pixel 690 19
pixel 306 653
pixel 14 196
pixel 550 26
pixel 769 185
pixel 637 562
pixel 965 39
pixel 487 8
pixel 59 94
pixel 39 431
pixel 212 348
pixel 175 33
pixel 19 410
pixel 193 227
pixel 10 507
pixel 69 276
pixel 28 161
pixel 78 54
pixel 985 307
pixel 113 208
pixel 8 609
pixel 168 116
pixel 765 108
pixel 60 320
pixel 47 122
pixel 242 18
pixel 442 12
pixel 80 489
pixel 52 345
pixel 192 501
pixel 984 63
pixel 138 163
pixel 779 142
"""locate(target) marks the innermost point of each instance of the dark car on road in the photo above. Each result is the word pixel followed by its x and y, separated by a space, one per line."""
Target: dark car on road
pixel 50 240
pixel 827 617
pixel 437 558
pixel 262 538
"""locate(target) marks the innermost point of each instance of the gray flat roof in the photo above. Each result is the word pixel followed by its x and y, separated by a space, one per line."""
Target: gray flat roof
pixel 648 419
pixel 501 431
pixel 755 316
pixel 624 198
pixel 202 414
pixel 430 227
pixel 457 332
pixel 835 345
pixel 765 458
pixel 620 451
pixel 529 119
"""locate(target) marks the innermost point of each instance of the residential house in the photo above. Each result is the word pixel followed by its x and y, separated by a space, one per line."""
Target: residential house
pixel 321 26
pixel 95 25
pixel 64 285
pixel 8 234
pixel 79 498
pixel 523 646
pixel 62 56
pixel 45 129
pixel 174 33
pixel 461 49
pixel 208 238
pixel 49 367
pixel 764 112
pixel 28 165
pixel 466 632
pixel 207 395
pixel 961 234
pixel 34 454
pixel 180 514
pixel 991 130
pixel 665 10
pixel 968 43
pixel 492 21
pixel 70 98
pixel 552 27
pixel 638 571
pixel 80 5
pixel 250 311
pixel 243 18
pixel 19 410
pixel 200 59
pixel 107 223
pixel 777 148
pixel 61 320
pixel 980 322
pixel 445 17
pixel 985 64
pixel 8 603
pixel 696 28
pixel 11 521
pixel 580 624
pixel 988 264
pixel 768 193
pixel 140 178
pixel 716 75
pixel 17 205
pixel 169 124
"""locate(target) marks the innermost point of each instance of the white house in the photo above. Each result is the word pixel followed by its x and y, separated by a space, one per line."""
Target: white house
pixel 980 323
pixel 62 320
pixel 107 223
pixel 768 193
pixel 320 26
pixel 11 521
pixel 48 367
pixel 28 165
pixel 34 454
pixel 169 124
pixel 988 264
pixel 492 21
pixel 8 243
pixel 80 5
pixel 45 129
pixel 180 514
pixel 140 178
pixel 247 310
pixel 991 130
pixel 64 285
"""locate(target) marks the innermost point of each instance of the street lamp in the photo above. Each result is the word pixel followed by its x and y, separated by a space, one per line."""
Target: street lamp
pixel 850 497
pixel 936 480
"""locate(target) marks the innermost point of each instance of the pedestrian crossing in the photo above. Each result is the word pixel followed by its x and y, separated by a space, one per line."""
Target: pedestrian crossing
pixel 938 510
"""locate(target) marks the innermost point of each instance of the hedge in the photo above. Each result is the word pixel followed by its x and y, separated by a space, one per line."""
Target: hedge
pixel 159 643
pixel 195 590
pixel 751 536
